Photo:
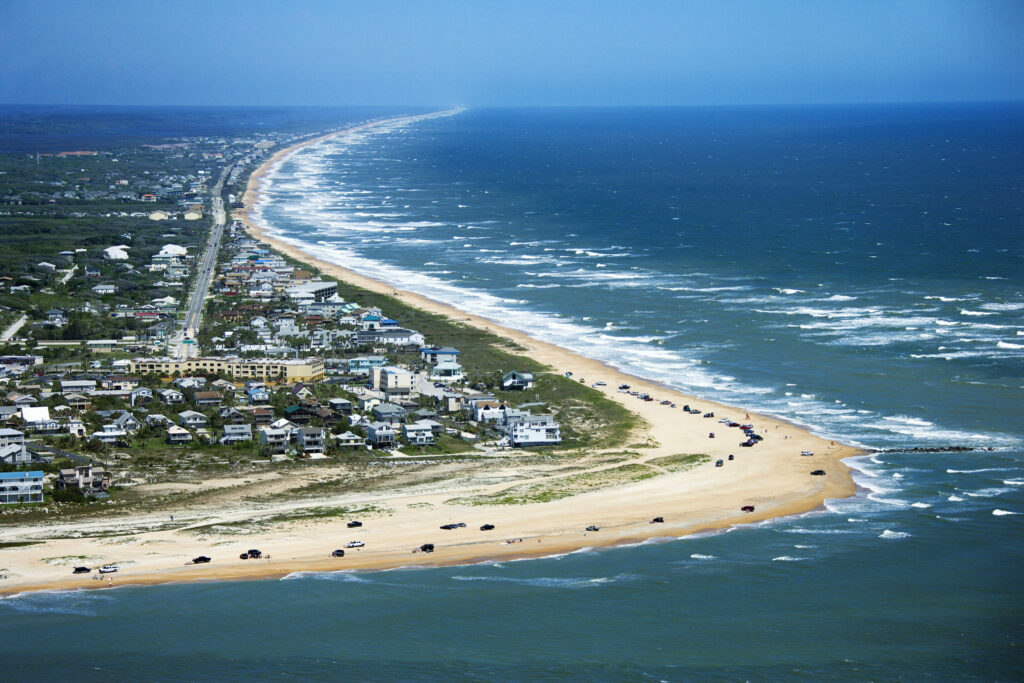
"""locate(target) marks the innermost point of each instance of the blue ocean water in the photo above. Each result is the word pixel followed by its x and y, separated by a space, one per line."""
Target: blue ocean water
pixel 856 270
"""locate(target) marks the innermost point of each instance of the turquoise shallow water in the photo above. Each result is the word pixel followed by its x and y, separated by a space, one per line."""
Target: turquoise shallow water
pixel 856 270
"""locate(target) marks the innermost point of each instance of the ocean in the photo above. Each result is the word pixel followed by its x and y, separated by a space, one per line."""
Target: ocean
pixel 853 269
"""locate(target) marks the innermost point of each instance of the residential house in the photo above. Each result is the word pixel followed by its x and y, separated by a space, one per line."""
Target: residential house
pixel 157 420
pixel 236 433
pixel 310 440
pixel 105 289
pixel 233 416
pixel 190 382
pixel 390 413
pixel 363 364
pixel 191 418
pixel 120 383
pixel 258 395
pixel 418 434
pixel 380 434
pixel 274 441
pixel 178 435
pixel 140 396
pixel 21 487
pixel 439 354
pixel 262 416
pixel 350 440
pixel 513 380
pixel 110 434
pixel 208 399
pixel 90 480
pixel 170 396
pixel 78 401
pixel 341 405
pixel 77 386
pixel 303 392
pixel 533 430
pixel 447 372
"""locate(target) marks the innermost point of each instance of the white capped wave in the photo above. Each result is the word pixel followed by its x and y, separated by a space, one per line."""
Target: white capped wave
pixel 698 556
pixel 788 558
pixel 956 499
pixel 964 311
pixel 1008 345
pixel 1000 513
pixel 892 535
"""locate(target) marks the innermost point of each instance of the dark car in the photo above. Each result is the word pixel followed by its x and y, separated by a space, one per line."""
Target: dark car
pixel 354 523
pixel 253 554
pixel 449 527
pixel 818 473
pixel 486 527
pixel 748 444
pixel 427 548
pixel 244 556
pixel 719 463
pixel 731 456
pixel 338 553
pixel 658 520
pixel 81 570
pixel 747 508
pixel 593 528
pixel 202 559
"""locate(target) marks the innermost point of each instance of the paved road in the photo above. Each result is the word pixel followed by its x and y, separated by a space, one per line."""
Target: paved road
pixel 13 328
pixel 207 263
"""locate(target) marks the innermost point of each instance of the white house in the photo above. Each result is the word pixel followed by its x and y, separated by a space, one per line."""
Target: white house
pixel 418 434
pixel 447 371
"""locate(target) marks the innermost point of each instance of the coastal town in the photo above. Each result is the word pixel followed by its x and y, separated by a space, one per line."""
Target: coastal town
pixel 177 381
pixel 113 383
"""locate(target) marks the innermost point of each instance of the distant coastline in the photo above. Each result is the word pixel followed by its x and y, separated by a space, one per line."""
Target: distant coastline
pixel 773 479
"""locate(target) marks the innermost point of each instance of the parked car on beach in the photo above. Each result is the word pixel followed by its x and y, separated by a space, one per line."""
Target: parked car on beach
pixel 354 544
pixel 108 569
pixel 202 559
pixel 338 553
pixel 81 570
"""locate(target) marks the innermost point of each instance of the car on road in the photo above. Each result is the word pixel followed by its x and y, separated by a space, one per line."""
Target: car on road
pixel 202 559
pixel 81 570
pixel 338 553
pixel 354 544
pixel 354 523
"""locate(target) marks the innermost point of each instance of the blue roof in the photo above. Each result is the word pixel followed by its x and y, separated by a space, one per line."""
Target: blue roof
pixel 22 475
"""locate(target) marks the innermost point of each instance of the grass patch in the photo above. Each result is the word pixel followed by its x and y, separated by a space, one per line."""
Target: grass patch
pixel 680 462
pixel 562 487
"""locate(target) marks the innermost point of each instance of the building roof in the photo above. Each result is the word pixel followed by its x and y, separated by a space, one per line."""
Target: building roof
pixel 34 474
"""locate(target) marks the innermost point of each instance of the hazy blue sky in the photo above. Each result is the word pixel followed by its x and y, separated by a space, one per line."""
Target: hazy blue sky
pixel 478 52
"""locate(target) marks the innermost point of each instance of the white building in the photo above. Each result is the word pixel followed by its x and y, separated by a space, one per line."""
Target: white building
pixel 21 487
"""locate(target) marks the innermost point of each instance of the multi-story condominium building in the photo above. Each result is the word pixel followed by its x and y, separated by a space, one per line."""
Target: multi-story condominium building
pixel 264 369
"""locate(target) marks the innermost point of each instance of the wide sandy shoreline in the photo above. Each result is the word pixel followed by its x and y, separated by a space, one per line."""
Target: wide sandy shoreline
pixel 773 476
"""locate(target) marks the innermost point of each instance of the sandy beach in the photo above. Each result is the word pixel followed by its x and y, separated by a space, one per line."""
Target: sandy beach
pixel 773 477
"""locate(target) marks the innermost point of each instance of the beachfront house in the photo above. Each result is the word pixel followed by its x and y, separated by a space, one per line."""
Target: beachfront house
pixel 517 381
pixel 178 435
pixel 310 440
pixel 236 433
pixel 418 434
pixel 380 435
pixel 525 429
pixel 91 481
pixel 274 441
pixel 439 354
pixel 350 440
pixel 21 487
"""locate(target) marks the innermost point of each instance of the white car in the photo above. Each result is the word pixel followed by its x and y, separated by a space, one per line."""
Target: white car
pixel 108 569
pixel 354 544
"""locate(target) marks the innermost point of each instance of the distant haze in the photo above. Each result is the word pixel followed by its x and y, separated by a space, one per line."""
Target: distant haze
pixel 307 52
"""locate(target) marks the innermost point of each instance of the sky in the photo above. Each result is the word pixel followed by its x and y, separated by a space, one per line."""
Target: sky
pixel 509 53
